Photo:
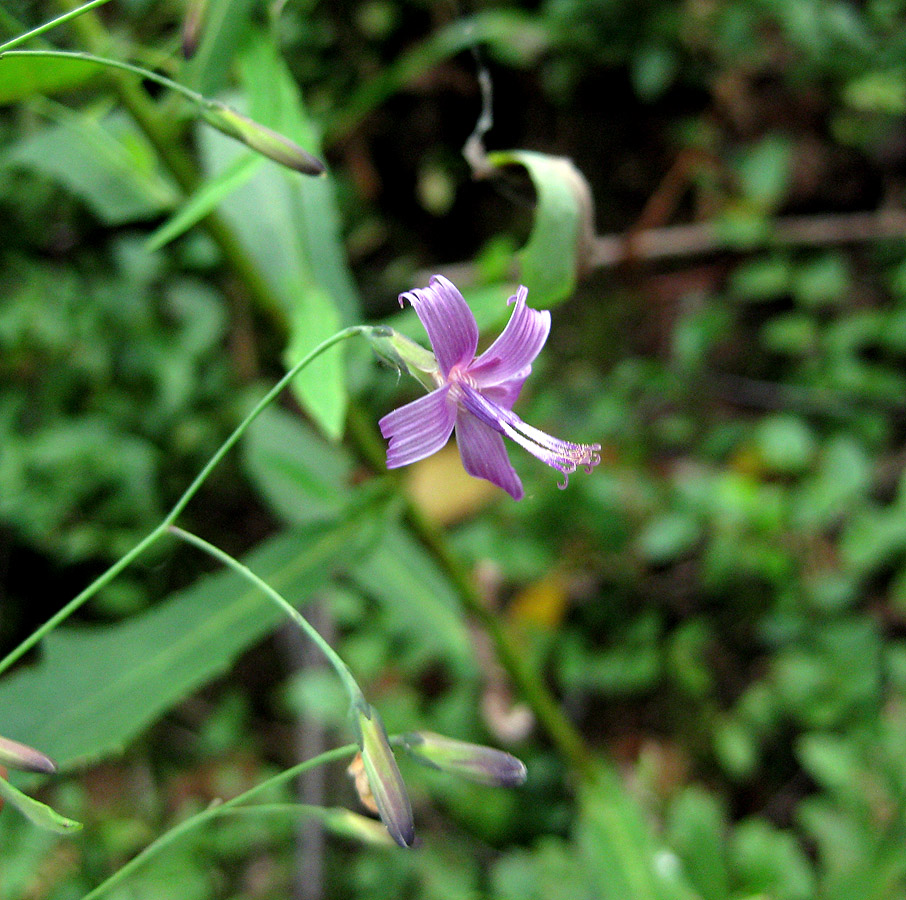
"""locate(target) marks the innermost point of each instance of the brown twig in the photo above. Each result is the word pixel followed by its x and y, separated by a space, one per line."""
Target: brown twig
pixel 702 239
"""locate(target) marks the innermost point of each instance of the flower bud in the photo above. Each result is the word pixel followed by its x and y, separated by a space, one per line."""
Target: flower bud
pixel 191 27
pixel 345 823
pixel 404 354
pixel 472 761
pixel 383 774
pixel 259 137
pixel 18 756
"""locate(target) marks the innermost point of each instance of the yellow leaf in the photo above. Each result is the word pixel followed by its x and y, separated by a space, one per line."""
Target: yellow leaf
pixel 443 489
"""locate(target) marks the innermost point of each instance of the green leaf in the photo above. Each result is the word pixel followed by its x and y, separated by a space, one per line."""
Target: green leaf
pixel 107 164
pixel 320 386
pixel 275 101
pixel 37 813
pixel 553 254
pixel 695 829
pixel 416 596
pixel 668 537
pixel 204 200
pixel 22 77
pixel 224 27
pixel 302 477
pixel 769 862
pixel 96 688
pixel 618 848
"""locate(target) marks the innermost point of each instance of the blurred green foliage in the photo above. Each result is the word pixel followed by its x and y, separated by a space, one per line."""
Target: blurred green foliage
pixel 720 606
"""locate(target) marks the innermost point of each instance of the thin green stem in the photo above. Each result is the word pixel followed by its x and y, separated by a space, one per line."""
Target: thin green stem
pixel 103 61
pixel 349 682
pixel 169 837
pixel 180 505
pixel 53 23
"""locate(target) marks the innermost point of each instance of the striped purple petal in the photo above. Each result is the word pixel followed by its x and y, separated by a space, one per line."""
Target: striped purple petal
pixel 419 428
pixel 448 320
pixel 507 393
pixel 516 347
pixel 484 454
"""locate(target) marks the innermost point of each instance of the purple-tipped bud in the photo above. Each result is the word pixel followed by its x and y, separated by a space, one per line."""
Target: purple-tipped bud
pixel 384 779
pixel 18 756
pixel 472 761
pixel 259 137
pixel 191 27
pixel 404 355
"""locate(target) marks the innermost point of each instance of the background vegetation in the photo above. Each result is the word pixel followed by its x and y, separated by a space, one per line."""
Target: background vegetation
pixel 720 608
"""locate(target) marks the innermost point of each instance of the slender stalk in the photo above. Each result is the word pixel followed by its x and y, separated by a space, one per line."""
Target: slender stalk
pixel 333 657
pixel 179 506
pixel 107 63
pixel 53 23
pixel 169 837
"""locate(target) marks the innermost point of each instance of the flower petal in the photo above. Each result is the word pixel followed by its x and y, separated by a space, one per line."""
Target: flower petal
pixel 448 320
pixel 506 393
pixel 484 454
pixel 419 428
pixel 516 347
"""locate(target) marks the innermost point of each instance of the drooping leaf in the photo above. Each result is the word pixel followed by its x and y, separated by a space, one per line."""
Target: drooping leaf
pixel 96 688
pixel 554 254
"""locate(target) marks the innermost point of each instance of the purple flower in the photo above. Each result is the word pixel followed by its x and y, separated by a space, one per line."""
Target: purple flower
pixel 475 395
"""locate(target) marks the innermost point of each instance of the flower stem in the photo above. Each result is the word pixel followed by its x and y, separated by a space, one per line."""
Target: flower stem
pixel 333 657
pixel 169 837
pixel 104 62
pixel 180 505
pixel 53 23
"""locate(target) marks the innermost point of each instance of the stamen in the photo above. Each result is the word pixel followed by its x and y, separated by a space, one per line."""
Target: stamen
pixel 564 456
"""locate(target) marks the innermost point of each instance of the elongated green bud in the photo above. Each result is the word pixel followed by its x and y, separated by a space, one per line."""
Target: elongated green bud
pixel 384 779
pixel 404 354
pixel 19 756
pixel 259 137
pixel 471 761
